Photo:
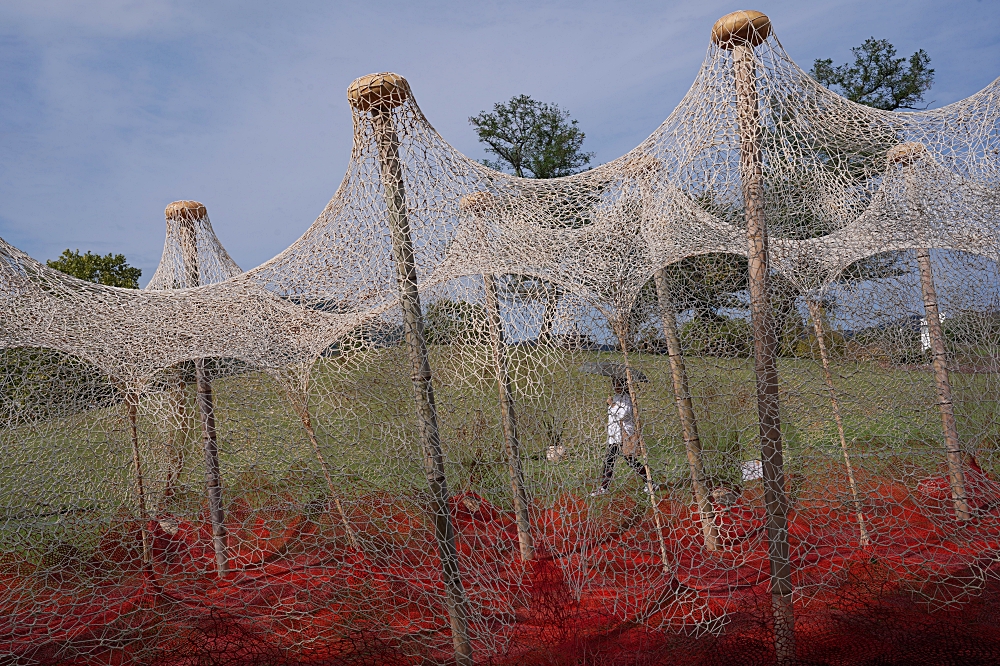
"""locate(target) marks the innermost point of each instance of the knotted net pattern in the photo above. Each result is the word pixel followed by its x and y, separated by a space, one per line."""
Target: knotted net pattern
pixel 381 445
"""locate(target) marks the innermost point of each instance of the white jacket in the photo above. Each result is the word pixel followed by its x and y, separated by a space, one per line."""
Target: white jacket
pixel 620 416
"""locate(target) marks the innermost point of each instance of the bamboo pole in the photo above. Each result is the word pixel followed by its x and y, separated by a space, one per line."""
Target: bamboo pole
pixel 176 437
pixel 665 559
pixel 509 417
pixel 906 155
pixel 816 312
pixel 306 418
pixel 685 410
pixel 956 476
pixel 740 32
pixel 213 478
pixel 131 401
pixel 477 203
pixel 379 94
pixel 187 213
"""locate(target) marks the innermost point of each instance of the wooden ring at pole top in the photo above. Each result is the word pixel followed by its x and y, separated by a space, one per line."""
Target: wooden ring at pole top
pixel 378 91
pixel 186 210
pixel 905 153
pixel 477 202
pixel 741 28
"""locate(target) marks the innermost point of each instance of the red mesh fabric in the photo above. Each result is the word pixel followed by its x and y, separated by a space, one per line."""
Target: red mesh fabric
pixel 292 593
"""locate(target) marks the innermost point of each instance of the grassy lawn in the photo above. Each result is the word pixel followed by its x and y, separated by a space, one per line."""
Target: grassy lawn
pixel 64 479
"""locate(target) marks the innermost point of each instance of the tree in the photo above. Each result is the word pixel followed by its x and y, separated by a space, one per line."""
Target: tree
pixel 111 270
pixel 878 78
pixel 531 137
pixel 537 139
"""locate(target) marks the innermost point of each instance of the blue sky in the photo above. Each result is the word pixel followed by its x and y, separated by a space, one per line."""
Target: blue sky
pixel 111 109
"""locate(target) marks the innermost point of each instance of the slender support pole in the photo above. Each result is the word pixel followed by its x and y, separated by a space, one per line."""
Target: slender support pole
pixel 303 412
pixel 765 346
pixel 665 559
pixel 685 410
pixel 477 204
pixel 213 479
pixel 133 426
pixel 206 407
pixel 379 93
pixel 956 476
pixel 907 155
pixel 176 439
pixel 816 312
pixel 509 418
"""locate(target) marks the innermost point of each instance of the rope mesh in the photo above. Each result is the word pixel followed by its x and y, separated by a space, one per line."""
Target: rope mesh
pixel 391 442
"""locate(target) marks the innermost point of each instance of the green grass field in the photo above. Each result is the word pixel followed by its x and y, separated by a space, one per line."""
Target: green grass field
pixel 65 478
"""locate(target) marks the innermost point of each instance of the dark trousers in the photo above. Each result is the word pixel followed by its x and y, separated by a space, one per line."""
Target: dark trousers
pixel 614 450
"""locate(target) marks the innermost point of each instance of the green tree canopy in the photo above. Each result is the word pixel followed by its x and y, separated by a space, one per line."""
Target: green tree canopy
pixel 111 270
pixel 878 78
pixel 531 138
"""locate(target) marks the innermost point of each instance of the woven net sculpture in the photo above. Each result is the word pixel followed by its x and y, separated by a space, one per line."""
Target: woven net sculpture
pixel 396 442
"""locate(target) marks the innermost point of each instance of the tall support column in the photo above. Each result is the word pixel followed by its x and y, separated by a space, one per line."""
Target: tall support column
pixel 213 478
pixel 906 155
pixel 131 405
pixel 379 94
pixel 685 410
pixel 478 204
pixel 816 312
pixel 740 32
pixel 942 381
pixel 624 334
pixel 187 213
pixel 509 418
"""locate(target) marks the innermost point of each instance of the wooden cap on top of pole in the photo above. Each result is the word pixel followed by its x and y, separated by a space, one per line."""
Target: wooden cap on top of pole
pixel 186 210
pixel 378 91
pixel 744 27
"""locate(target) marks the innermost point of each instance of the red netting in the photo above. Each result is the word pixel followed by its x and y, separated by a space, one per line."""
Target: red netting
pixel 294 589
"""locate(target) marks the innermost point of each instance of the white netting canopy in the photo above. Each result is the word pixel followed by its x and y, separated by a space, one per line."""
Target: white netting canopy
pixel 397 439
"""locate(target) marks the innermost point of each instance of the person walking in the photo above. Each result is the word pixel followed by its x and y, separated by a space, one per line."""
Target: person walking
pixel 622 438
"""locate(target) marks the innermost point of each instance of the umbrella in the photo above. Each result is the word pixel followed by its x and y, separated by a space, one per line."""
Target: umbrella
pixel 612 369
